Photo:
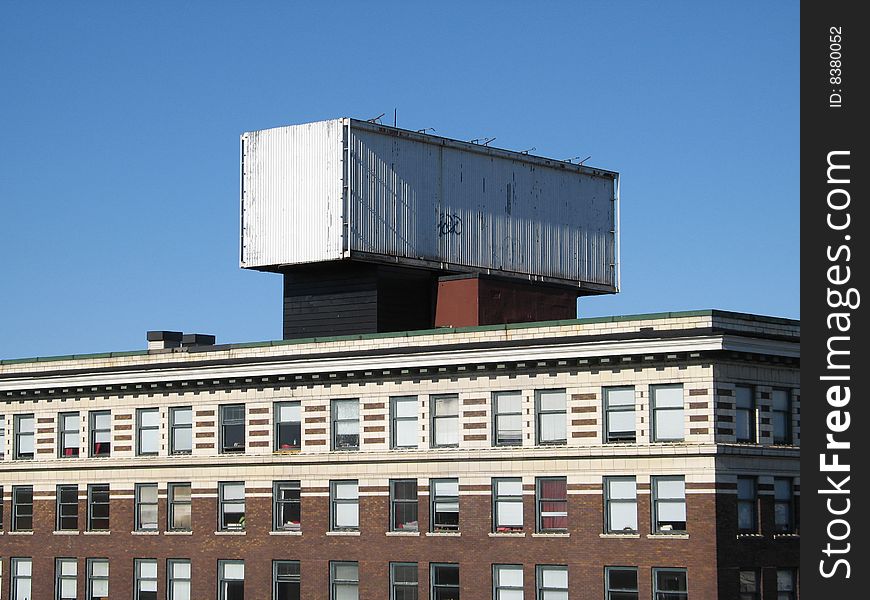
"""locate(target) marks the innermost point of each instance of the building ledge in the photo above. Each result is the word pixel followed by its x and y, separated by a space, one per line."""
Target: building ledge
pixel 786 536
pixel 617 536
pixel 550 535
pixel 443 534
pixel 507 534
pixel 285 533
pixel 749 536
pixel 229 533
pixel 668 536
pixel 62 532
pixel 19 533
pixel 145 533
pixel 186 532
pixel 97 532
pixel 341 533
pixel 402 533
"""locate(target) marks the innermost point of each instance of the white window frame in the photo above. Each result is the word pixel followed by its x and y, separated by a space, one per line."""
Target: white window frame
pixel 398 422
pixel 660 412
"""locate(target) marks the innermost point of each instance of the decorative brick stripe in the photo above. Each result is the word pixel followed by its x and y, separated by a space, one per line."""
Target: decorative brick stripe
pixel 697 417
pixel 373 440
pixel 260 410
pixel 592 396
pixel 374 428
pixel 205 423
pixel 584 486
pixel 373 405
pixel 374 488
pixel 476 437
pixel 126 417
pixel 699 431
pixel 373 417
pixel 204 434
pixel 697 405
pixel 45 420
pixel 474 488
pixel 725 405
pixel 319 408
pixel 315 443
pixel 45 430
pixel 126 427
pixel 723 431
pixel 726 419
pixel 45 440
pixel 43 450
pixel 205 413
pixel 316 430
pixel 258 422
pixel 579 434
pixel 474 425
pixel 315 419
pixel 724 392
pixel 698 392
pixel 583 409
pixel 473 401
pixel 123 438
pixel 259 444
pixel 474 413
pixel 203 445
pixel 584 422
pixel 259 433
pixel 123 448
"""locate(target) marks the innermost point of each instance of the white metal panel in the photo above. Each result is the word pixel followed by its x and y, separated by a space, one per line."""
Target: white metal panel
pixel 291 196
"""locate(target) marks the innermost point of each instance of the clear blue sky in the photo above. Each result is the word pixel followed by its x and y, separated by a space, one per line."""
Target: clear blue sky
pixel 119 168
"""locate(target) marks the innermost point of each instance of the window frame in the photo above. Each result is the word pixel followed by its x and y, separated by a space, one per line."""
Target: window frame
pixel 278 502
pixel 223 503
pixel 540 413
pixel 278 578
pixel 788 503
pixel 15 577
pixel 59 505
pixel 793 576
pixel 17 505
pixel 98 488
pixel 93 430
pixel 172 504
pixel 335 421
pixel 497 586
pixel 2 437
pixel 334 581
pixel 787 438
pixel 435 419
pixel 496 414
pixel 138 522
pixel 752 502
pixel 433 586
pixel 396 421
pixel 749 413
pixel 60 577
pixel 669 594
pixel 435 499
pixel 92 578
pixel 63 432
pixel 657 412
pixel 1 509
pixel 540 500
pixel 608 437
pixel 172 578
pixel 226 422
pixel 395 502
pixel 657 501
pixel 540 590
pixel 335 501
pixel 498 499
pixel 609 500
pixel 396 585
pixel 139 578
pixel 276 411
pixel 754 594
pixel 141 428
pixel 175 427
pixel 18 435
pixel 609 589
pixel 222 577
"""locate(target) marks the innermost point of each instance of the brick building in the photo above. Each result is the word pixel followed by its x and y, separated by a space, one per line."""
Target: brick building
pixel 650 456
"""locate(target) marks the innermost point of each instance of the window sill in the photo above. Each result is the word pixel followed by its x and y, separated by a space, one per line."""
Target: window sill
pixel 229 533
pixel 507 534
pixel 628 536
pixel 155 532
pixel 184 532
pixel 786 536
pixel 741 536
pixel 668 536
pixel 285 533
pixel 554 534
pixel 403 533
pixel 340 533
pixel 62 532
pixel 97 532
pixel 289 451
pixel 19 533
pixel 443 534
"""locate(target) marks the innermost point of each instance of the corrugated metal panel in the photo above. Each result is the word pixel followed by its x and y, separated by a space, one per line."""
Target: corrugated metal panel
pixel 440 201
pixel 291 196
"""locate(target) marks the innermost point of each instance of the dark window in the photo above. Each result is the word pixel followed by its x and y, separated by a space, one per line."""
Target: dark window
pixel 147 431
pixel 507 503
pixel 287 508
pixel 444 499
pixel 288 426
pixel 552 504
pixel 232 506
pixel 551 582
pixel 619 419
pixel 747 505
pixel 667 413
pixel 180 505
pixel 98 579
pixel 344 580
pixel 786 584
pixel 508 420
pixel 345 424
pixel 403 581
pixel 444 582
pixel 68 434
pixel 781 417
pixel 670 584
pixel 783 506
pixel 22 508
pixel 178 578
pixel 232 421
pixel 23 431
pixel 403 505
pixel 231 584
pixel 145 571
pixel 181 430
pixel 101 433
pixel 67 508
pixel 344 496
pixel 66 573
pixel 620 498
pixel 286 580
pixel 552 417
pixel 621 583
pixel 669 504
pixel 98 507
pixel 403 411
pixel 146 507
pixel 445 420
pixel 507 582
pixel 748 585
pixel 1 499
pixel 744 418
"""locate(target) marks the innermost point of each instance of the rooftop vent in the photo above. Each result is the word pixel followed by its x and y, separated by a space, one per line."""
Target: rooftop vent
pixel 164 340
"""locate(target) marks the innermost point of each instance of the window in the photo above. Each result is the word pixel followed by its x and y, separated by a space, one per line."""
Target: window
pixel 345 424
pixel 146 507
pixel 178 578
pixel 1 508
pixel 145 572
pixel 551 582
pixel 68 434
pixel 781 417
pixel 403 505
pixel 232 421
pixel 22 576
pixel 667 408
pixel 747 505
pixel 231 575
pixel 344 580
pixel 2 437
pixel 179 504
pixel 98 507
pixel 552 419
pixel 507 505
pixel 232 506
pixel 669 504
pixel 287 510
pixel 445 420
pixel 67 508
pixel 23 426
pixel 508 410
pixel 100 433
pixel 286 580
pixel 619 419
pixel 181 430
pixel 444 499
pixel 786 587
pixel 744 419
pixel 669 584
pixel 344 498
pixel 22 508
pixel 507 582
pixel 620 497
pixel 65 573
pixel 748 585
pixel 620 583
pixel 403 415
pixel 444 582
pixel 147 431
pixel 783 506
pixel 552 504
pixel 288 426
pixel 403 581
pixel 98 579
